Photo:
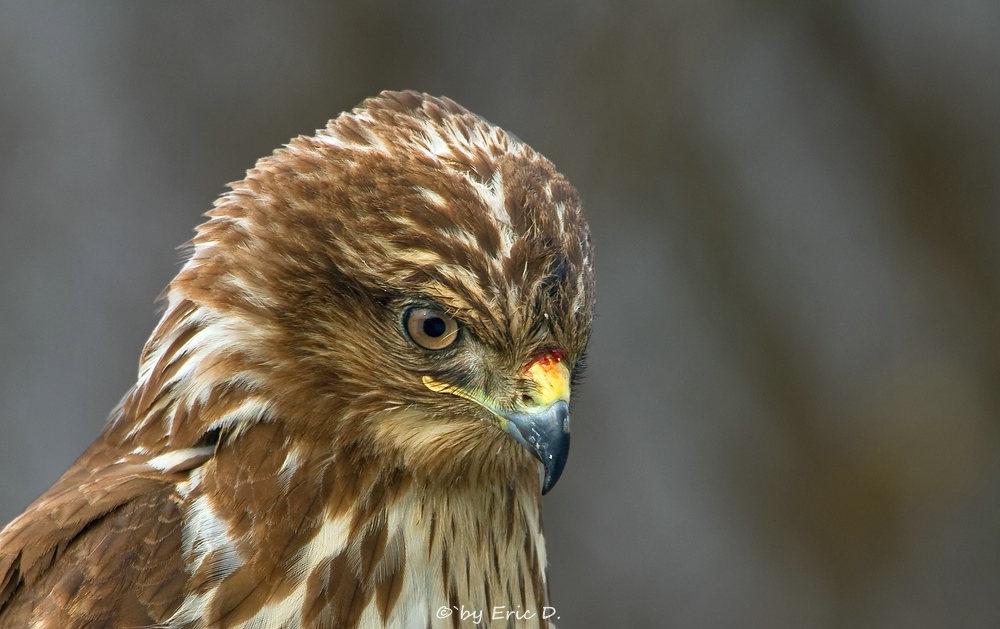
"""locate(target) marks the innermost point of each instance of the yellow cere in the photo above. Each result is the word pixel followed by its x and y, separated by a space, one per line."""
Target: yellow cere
pixel 551 378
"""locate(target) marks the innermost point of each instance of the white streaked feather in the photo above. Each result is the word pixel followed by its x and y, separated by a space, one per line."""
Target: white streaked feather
pixel 204 532
pixel 432 197
pixel 233 423
pixel 178 459
pixel 329 541
pixel 289 466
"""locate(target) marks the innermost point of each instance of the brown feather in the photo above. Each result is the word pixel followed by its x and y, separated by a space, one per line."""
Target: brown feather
pixel 280 461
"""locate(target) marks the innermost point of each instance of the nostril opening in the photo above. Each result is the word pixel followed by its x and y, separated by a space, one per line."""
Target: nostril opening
pixel 527 400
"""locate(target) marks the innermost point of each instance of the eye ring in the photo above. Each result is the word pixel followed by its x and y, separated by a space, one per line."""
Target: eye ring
pixel 430 328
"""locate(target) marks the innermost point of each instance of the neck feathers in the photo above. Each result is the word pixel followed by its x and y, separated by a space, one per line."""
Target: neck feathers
pixel 341 541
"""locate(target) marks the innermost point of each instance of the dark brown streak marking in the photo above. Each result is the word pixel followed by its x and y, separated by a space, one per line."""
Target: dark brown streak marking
pixel 372 546
pixel 520 584
pixel 343 597
pixel 445 567
pixel 510 508
pixel 535 571
pixel 468 574
pixel 453 603
pixel 487 590
pixel 430 537
pixel 388 591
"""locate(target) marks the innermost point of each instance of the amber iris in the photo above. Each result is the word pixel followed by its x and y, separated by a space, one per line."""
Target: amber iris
pixel 430 328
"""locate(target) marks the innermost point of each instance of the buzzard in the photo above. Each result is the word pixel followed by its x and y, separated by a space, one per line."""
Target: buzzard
pixel 354 400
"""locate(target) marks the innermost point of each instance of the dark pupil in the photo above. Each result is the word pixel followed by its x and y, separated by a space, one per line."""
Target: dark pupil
pixel 434 327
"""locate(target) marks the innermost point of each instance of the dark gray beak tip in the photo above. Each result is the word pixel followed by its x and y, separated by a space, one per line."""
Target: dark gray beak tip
pixel 554 467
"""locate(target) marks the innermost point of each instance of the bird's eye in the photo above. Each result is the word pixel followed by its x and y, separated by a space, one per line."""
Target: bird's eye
pixel 430 328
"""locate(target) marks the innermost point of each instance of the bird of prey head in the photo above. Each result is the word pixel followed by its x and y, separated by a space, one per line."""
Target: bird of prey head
pixel 354 399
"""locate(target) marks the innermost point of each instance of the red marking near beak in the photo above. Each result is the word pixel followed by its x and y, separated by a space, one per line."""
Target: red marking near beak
pixel 551 377
pixel 546 359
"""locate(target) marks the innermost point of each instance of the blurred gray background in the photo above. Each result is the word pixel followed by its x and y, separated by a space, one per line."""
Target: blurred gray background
pixel 792 414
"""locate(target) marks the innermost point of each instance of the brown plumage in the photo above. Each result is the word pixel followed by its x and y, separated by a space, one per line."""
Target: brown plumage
pixel 338 421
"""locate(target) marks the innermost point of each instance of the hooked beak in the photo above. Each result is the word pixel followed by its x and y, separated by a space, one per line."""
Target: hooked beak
pixel 546 435
pixel 540 422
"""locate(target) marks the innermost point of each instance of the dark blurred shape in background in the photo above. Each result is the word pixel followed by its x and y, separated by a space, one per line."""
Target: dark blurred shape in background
pixel 792 414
